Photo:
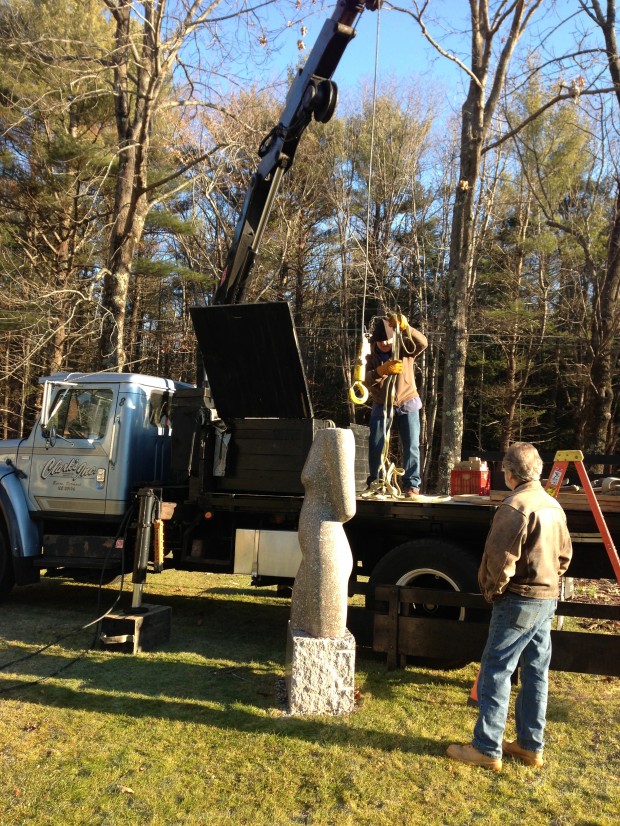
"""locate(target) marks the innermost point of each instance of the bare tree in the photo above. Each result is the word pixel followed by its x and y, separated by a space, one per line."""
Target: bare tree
pixel 156 66
pixel 487 73
pixel 148 41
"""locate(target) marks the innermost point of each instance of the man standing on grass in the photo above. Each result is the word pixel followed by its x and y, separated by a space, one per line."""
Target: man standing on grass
pixel 527 551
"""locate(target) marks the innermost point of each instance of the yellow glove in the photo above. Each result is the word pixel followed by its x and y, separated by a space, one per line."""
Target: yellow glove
pixel 398 320
pixel 390 368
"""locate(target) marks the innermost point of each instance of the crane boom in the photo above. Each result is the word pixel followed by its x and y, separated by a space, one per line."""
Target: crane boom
pixel 312 94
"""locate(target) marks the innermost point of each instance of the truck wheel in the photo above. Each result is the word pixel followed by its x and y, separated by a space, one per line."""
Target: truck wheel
pixel 430 563
pixel 7 575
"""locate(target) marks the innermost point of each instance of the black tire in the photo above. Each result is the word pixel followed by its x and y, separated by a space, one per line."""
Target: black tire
pixel 430 563
pixel 7 574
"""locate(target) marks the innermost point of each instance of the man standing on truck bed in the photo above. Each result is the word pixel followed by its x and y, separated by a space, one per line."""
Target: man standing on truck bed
pixel 397 399
pixel 527 550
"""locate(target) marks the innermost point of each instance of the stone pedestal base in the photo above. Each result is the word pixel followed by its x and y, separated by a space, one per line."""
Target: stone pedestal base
pixel 320 673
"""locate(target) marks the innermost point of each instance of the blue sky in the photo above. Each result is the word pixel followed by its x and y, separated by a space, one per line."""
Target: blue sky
pixel 404 54
pixel 402 49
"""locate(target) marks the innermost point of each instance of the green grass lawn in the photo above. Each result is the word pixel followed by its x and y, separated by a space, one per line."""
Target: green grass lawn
pixel 194 732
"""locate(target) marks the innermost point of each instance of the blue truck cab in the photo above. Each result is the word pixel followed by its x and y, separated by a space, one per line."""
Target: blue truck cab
pixel 65 488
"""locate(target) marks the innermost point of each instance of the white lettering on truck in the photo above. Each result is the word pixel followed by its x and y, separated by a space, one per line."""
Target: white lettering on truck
pixel 73 468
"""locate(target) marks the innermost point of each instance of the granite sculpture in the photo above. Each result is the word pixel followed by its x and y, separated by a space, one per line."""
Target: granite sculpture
pixel 320 659
pixel 319 603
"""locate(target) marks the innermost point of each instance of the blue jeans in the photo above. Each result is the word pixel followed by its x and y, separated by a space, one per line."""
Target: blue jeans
pixel 408 425
pixel 519 635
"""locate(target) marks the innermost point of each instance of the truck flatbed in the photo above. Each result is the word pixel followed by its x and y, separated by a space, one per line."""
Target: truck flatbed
pixel 380 525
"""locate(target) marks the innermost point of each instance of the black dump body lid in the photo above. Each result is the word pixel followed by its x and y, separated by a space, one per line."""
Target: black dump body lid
pixel 251 357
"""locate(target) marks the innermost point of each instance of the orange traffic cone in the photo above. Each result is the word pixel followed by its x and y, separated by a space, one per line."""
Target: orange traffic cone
pixel 473 694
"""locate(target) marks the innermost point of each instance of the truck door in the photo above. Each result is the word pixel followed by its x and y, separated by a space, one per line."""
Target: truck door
pixel 70 467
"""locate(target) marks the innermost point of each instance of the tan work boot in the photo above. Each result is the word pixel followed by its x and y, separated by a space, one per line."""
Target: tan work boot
pixel 468 754
pixel 530 758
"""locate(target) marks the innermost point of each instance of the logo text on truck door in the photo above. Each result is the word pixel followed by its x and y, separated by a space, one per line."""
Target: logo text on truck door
pixel 74 468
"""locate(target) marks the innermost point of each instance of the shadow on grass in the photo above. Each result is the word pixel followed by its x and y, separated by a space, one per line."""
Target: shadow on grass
pixel 224 659
pixel 41 605
pixel 33 615
pixel 209 710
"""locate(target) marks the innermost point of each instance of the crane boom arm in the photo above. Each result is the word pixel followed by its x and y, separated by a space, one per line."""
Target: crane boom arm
pixel 312 93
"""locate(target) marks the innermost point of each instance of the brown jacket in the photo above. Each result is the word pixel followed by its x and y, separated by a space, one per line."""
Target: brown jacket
pixel 528 547
pixel 414 342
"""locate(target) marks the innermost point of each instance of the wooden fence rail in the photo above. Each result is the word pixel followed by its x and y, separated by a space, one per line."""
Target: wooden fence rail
pixel 399 633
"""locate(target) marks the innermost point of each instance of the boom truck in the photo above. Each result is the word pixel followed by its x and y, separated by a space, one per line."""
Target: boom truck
pixel 223 460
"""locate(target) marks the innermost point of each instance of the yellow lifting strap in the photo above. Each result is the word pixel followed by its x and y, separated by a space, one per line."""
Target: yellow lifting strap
pixel 358 392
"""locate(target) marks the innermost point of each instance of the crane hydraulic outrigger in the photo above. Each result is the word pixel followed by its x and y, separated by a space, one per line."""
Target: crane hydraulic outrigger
pixel 312 94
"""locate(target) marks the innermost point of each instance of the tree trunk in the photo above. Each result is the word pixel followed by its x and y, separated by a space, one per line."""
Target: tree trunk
pixel 477 114
pixel 604 329
pixel 134 112
pixel 459 286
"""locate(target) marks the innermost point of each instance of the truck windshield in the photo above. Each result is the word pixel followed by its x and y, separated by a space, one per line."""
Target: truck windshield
pixel 81 413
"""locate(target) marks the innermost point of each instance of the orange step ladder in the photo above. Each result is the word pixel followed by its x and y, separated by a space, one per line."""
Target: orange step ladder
pixel 561 461
pixel 560 465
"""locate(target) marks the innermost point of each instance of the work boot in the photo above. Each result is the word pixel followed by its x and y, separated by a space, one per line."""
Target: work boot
pixel 468 754
pixel 410 493
pixel 530 758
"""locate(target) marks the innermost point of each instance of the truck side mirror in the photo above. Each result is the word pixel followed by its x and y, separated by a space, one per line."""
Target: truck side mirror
pixel 49 434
